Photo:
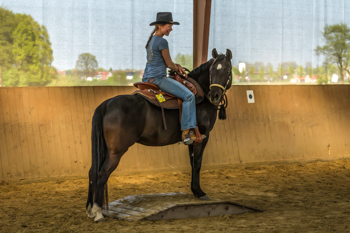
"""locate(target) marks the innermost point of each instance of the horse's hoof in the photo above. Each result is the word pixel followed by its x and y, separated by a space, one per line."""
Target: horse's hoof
pixel 204 198
pixel 97 211
pixel 89 212
pixel 100 219
pixel 91 215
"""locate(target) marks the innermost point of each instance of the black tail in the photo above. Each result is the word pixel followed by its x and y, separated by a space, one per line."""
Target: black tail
pixel 98 149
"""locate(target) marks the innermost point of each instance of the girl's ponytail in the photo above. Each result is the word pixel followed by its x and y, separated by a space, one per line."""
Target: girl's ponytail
pixel 149 39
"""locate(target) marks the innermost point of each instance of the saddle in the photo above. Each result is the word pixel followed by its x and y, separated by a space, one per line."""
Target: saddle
pixel 150 91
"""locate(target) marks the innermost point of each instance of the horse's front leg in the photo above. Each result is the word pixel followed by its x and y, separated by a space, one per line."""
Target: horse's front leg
pixel 196 154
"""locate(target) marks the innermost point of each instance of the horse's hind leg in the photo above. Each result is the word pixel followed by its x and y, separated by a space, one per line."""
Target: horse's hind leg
pixel 120 131
pixel 110 164
pixel 90 200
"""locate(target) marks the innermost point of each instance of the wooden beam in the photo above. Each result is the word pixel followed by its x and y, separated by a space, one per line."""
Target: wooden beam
pixel 201 25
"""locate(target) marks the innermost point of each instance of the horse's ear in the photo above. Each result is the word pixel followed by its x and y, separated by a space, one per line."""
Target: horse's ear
pixel 228 54
pixel 214 53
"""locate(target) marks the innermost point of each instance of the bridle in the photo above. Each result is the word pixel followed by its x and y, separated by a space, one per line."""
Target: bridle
pixel 218 85
pixel 223 98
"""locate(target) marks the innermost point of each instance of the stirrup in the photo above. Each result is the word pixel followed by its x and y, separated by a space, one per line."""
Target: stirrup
pixel 190 141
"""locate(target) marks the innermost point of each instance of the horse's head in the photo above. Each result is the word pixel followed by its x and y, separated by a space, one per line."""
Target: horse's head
pixel 220 76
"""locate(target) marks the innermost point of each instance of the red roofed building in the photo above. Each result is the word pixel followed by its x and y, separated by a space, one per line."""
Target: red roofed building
pixel 61 72
pixel 307 79
pixel 104 75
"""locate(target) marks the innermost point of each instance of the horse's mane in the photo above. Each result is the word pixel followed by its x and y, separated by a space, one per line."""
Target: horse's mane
pixel 200 69
pixel 203 68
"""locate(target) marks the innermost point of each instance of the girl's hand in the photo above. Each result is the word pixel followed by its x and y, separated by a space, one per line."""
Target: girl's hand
pixel 170 64
pixel 181 70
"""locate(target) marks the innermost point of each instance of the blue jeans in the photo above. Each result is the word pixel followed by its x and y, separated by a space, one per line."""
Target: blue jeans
pixel 188 116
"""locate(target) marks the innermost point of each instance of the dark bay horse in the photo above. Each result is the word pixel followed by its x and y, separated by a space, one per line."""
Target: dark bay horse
pixel 123 120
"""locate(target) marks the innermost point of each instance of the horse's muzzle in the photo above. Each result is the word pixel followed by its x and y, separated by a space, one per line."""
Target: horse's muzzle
pixel 215 95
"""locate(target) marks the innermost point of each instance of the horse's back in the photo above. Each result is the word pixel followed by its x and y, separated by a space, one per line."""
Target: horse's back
pixel 125 101
pixel 132 113
pixel 125 108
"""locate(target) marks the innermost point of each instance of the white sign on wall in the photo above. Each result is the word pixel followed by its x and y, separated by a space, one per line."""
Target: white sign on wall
pixel 250 96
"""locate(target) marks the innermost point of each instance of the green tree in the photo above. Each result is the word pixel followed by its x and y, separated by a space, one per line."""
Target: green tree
pixel 280 71
pixel 32 53
pixel 337 47
pixel 100 69
pixel 7 26
pixel 262 73
pixel 308 69
pixel 251 72
pixel 332 69
pixel 287 64
pixel 87 64
pixel 243 74
pixel 300 71
pixel 271 72
pixel 291 71
pixel 15 77
pixel 258 65
pixel 185 60
pixel 118 78
pixel 235 71
pixel 136 77
pixel 45 58
pixel 321 76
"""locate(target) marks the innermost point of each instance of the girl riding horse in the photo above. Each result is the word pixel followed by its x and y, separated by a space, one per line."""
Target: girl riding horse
pixel 158 59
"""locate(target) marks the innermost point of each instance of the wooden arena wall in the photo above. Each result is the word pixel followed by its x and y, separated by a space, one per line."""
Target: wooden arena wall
pixel 45 131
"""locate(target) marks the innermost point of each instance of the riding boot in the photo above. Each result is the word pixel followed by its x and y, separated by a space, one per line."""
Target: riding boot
pixel 188 136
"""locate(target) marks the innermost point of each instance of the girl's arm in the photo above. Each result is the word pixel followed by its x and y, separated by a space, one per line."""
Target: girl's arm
pixel 170 64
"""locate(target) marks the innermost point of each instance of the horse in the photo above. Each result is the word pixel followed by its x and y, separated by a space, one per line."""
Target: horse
pixel 124 120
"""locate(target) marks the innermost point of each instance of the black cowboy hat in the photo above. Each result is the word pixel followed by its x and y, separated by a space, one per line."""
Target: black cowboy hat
pixel 164 17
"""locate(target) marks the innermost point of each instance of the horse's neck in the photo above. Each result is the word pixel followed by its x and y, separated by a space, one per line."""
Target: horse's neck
pixel 201 75
pixel 204 82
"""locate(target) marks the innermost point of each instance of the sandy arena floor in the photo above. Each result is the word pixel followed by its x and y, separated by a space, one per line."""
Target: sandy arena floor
pixel 308 197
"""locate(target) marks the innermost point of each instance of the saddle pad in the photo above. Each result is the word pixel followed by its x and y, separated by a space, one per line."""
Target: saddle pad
pixel 168 104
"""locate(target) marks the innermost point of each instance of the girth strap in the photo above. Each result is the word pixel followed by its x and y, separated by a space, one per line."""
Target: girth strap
pixel 179 101
pixel 161 107
pixel 163 115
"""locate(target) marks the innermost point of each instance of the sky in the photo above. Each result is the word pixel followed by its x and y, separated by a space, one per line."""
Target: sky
pixel 116 31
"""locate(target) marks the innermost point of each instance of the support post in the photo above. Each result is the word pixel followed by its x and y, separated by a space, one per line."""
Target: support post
pixel 201 25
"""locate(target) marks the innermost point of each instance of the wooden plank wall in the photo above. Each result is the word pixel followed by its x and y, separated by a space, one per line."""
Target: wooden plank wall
pixel 45 131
